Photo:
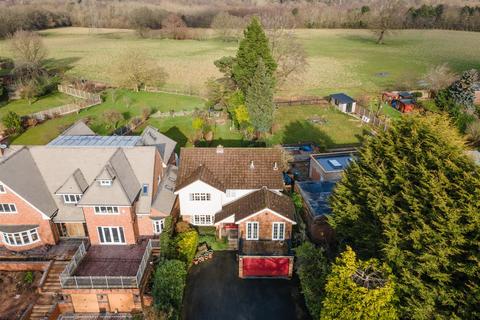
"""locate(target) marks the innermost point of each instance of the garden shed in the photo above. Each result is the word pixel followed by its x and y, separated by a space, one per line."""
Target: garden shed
pixel 343 102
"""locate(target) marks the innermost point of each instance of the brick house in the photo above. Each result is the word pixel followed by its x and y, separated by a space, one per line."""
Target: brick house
pixel 239 192
pixel 112 192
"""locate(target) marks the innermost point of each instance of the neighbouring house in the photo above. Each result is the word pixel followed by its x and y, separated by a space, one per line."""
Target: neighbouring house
pixel 403 101
pixel 114 192
pixel 404 105
pixel 326 170
pixel 343 102
pixel 239 192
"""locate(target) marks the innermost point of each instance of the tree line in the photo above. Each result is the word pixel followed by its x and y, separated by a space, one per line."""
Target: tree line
pixel 38 15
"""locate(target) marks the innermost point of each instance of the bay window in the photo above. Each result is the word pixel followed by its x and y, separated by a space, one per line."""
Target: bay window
pixel 21 238
pixel 158 226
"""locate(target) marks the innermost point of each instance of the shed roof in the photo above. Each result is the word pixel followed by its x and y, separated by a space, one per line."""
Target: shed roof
pixel 342 98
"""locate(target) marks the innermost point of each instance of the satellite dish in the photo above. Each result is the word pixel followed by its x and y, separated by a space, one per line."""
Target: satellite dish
pixel 3 146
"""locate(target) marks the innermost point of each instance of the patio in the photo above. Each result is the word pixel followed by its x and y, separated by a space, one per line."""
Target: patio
pixel 112 260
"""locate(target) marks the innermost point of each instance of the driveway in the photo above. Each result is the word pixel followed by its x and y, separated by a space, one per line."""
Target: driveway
pixel 214 291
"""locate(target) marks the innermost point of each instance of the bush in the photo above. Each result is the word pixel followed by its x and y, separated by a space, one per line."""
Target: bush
pixel 182 226
pixel 29 277
pixel 186 244
pixel 312 269
pixel 167 249
pixel 12 122
pixel 169 283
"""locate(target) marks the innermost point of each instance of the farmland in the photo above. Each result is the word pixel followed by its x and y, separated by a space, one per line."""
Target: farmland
pixel 338 60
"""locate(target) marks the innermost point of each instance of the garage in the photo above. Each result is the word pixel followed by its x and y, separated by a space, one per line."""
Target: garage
pixel 274 267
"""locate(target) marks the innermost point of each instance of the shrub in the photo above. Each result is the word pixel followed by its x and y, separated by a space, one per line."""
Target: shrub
pixel 182 226
pixel 312 269
pixel 186 244
pixel 12 122
pixel 169 283
pixel 29 277
pixel 167 249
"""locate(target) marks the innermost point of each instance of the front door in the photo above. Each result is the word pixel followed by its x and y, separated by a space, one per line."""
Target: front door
pixel 349 108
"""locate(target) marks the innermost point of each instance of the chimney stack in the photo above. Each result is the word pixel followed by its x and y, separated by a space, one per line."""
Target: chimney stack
pixel 252 166
pixel 219 149
pixel 275 166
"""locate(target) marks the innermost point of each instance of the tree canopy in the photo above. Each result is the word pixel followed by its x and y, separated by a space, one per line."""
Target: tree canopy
pixel 253 46
pixel 412 199
pixel 357 290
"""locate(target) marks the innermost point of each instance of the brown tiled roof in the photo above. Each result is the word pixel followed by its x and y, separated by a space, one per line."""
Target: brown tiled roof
pixel 255 202
pixel 232 167
pixel 203 174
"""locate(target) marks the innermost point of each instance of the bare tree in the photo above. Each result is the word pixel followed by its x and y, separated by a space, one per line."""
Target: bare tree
pixel 135 70
pixel 439 77
pixel 290 57
pixel 28 47
pixel 227 26
pixel 175 27
pixel 385 19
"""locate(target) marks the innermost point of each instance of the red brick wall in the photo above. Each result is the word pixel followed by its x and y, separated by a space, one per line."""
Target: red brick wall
pixel 126 219
pixel 477 97
pixel 265 221
pixel 26 214
pixel 157 172
pixel 145 225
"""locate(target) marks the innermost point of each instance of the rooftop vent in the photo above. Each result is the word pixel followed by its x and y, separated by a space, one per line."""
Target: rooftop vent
pixel 219 148
pixel 252 166
pixel 334 163
pixel 168 187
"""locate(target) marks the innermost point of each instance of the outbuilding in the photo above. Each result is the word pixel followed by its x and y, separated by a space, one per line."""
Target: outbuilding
pixel 343 102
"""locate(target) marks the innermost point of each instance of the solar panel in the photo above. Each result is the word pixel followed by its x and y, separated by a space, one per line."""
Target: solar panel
pixel 95 141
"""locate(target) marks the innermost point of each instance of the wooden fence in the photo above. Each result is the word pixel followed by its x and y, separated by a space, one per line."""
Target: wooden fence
pixel 298 101
pixel 367 116
pixel 78 93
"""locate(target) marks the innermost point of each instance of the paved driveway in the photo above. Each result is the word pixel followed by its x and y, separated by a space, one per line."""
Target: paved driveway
pixel 214 291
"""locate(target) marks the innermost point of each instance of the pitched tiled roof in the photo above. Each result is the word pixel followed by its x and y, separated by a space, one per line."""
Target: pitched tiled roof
pixel 202 173
pixel 165 198
pixel 75 184
pixel 255 202
pixel 79 128
pixel 232 168
pixel 165 146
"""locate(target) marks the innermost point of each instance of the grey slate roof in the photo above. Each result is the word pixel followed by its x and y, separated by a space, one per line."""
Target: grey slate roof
pixel 9 228
pixel 79 128
pixel 124 189
pixel 20 173
pixel 165 198
pixel 152 137
pixel 342 98
pixel 75 184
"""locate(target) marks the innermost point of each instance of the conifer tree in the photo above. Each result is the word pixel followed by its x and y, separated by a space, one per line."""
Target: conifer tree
pixel 253 46
pixel 357 290
pixel 412 199
pixel 259 99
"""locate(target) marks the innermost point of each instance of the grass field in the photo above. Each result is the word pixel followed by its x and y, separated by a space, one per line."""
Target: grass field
pixel 22 107
pixel 338 60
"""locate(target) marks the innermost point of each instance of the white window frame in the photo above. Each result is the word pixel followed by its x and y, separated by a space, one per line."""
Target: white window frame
pixel 67 198
pixel 202 219
pixel 252 230
pixel 104 210
pixel 200 196
pixel 158 226
pixel 105 183
pixel 278 231
pixel 11 208
pixel 2 189
pixel 17 239
pixel 101 231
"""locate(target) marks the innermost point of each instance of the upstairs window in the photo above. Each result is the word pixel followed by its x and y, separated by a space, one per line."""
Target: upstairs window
pixel 158 226
pixel 2 189
pixel 145 189
pixel 200 196
pixel 8 208
pixel 105 183
pixel 252 230
pixel 278 231
pixel 71 198
pixel 106 210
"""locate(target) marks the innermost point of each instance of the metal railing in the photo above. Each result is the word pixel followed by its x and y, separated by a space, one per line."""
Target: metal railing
pixel 68 280
pixel 96 316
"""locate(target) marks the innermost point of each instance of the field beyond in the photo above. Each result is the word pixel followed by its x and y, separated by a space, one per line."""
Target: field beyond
pixel 338 60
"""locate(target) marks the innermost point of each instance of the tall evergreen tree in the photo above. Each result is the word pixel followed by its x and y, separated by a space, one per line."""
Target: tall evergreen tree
pixel 462 91
pixel 357 290
pixel 259 99
pixel 253 46
pixel 412 199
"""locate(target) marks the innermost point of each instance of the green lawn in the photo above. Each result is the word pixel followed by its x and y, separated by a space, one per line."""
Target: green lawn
pixel 129 104
pixel 338 60
pixel 293 124
pixel 213 242
pixel 22 107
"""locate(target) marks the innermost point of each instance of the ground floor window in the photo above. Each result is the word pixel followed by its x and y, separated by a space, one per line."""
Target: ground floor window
pixel 158 226
pixel 202 219
pixel 21 238
pixel 111 235
pixel 252 230
pixel 278 231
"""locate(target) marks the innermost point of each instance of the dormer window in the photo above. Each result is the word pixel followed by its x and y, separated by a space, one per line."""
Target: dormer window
pixel 145 189
pixel 105 183
pixel 71 198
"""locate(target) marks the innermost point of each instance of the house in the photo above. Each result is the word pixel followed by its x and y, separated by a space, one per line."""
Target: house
pixel 239 192
pixel 113 192
pixel 343 102
pixel 403 101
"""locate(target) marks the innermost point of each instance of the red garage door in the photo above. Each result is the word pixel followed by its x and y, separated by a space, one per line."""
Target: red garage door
pixel 266 267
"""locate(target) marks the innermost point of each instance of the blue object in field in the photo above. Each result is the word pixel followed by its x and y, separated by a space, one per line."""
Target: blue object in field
pixel 287 179
pixel 307 148
pixel 394 103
